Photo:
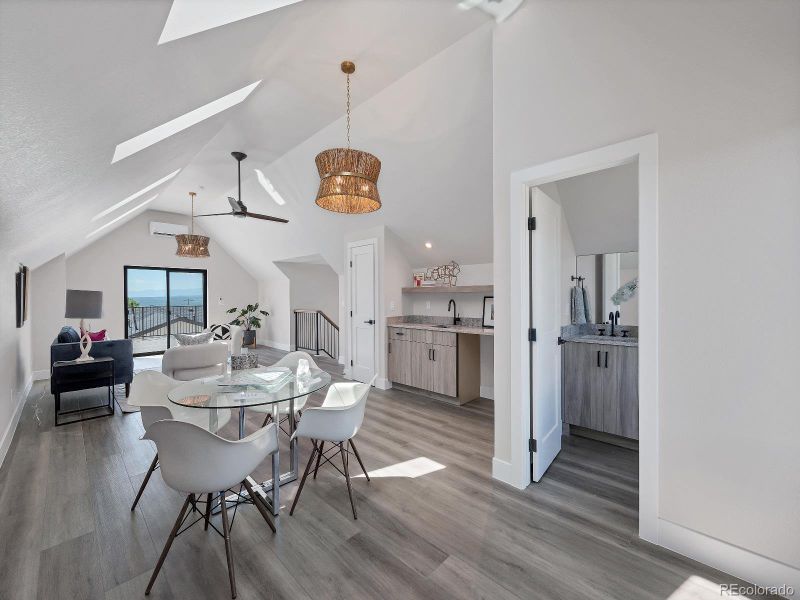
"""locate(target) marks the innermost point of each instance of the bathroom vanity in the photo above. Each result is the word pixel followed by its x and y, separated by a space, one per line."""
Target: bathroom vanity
pixel 600 383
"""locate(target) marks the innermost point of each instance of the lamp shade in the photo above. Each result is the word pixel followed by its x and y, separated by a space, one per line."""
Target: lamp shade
pixel 84 304
pixel 348 181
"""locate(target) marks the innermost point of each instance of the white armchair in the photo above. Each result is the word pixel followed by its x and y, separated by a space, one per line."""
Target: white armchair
pixel 195 462
pixel 337 421
pixel 185 363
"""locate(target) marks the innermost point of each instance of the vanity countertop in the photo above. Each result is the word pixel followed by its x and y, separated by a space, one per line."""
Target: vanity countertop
pixel 603 339
pixel 451 328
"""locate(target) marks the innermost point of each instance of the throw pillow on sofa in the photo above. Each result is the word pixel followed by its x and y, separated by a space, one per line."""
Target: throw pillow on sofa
pixel 193 339
pixel 68 335
pixel 97 336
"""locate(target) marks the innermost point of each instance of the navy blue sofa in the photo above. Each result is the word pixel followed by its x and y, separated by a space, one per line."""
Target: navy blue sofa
pixel 67 347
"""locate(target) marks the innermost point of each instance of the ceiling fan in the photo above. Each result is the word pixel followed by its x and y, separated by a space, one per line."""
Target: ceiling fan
pixel 238 209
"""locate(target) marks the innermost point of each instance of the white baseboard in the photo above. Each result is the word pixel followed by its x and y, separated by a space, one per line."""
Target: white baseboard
pixel 277 345
pixel 753 568
pixel 383 384
pixel 43 374
pixel 487 391
pixel 502 470
pixel 8 434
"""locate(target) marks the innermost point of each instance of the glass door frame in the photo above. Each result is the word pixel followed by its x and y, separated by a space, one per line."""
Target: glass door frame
pixel 167 271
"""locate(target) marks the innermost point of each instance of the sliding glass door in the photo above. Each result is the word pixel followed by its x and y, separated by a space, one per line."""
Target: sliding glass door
pixel 160 302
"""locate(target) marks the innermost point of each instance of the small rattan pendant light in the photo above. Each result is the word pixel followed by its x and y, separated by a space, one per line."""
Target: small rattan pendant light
pixel 348 178
pixel 191 245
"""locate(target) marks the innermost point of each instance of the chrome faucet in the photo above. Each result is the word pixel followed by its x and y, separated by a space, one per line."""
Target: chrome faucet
pixel 452 303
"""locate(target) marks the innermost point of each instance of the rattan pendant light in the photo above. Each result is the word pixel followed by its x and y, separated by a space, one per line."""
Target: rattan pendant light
pixel 191 245
pixel 348 178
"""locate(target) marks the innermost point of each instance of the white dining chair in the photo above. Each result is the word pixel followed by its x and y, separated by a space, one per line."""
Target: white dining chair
pixel 196 462
pixel 149 391
pixel 337 422
pixel 280 411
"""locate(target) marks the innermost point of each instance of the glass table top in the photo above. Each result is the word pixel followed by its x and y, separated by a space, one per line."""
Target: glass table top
pixel 248 387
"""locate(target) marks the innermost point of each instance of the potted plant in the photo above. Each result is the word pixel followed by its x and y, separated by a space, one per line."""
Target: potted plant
pixel 249 318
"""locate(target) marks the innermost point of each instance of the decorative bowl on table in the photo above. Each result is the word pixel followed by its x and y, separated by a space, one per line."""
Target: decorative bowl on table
pixel 244 361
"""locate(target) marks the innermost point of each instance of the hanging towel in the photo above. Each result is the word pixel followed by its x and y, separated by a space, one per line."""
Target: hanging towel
pixel 577 308
pixel 587 307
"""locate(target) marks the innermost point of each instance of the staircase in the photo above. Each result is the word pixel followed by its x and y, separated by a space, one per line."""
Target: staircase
pixel 315 331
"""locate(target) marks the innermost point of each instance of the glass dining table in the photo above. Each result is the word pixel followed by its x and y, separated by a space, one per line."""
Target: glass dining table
pixel 267 388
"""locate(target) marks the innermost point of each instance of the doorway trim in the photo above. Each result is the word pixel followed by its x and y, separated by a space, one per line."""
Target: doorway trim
pixel 378 285
pixel 644 150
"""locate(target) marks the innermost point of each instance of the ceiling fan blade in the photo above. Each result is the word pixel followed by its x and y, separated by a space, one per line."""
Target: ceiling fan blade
pixel 215 214
pixel 236 206
pixel 265 217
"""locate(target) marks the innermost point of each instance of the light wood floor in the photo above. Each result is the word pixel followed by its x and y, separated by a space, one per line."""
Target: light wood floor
pixel 67 532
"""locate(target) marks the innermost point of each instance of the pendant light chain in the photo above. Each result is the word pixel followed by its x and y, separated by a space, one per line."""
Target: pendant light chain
pixel 191 223
pixel 348 110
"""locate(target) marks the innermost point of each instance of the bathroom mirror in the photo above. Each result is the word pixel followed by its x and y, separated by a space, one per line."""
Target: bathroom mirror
pixel 603 275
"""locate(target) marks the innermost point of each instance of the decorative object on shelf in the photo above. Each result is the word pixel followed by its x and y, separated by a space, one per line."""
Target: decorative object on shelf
pixel 348 178
pixel 444 274
pixel 244 361
pixel 238 209
pixel 84 304
pixel 249 319
pixel 488 312
pixel 418 278
pixel 191 245
pixel 626 292
pixel 21 280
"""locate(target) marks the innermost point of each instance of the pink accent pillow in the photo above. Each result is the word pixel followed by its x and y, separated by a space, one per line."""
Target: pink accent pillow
pixel 97 336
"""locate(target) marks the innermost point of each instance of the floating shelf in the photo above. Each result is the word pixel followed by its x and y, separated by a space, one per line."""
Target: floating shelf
pixel 456 289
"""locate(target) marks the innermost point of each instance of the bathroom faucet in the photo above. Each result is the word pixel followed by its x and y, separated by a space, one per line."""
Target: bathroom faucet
pixel 455 314
pixel 611 320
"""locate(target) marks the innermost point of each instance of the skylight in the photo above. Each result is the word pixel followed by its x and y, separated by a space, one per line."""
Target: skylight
pixel 267 185
pixel 134 196
pixel 162 132
pixel 122 216
pixel 187 17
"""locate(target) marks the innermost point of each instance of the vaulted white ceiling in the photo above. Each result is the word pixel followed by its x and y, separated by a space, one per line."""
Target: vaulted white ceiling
pixel 78 78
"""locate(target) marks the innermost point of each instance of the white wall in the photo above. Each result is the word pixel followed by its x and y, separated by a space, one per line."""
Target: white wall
pixel 311 287
pixel 48 301
pixel 100 267
pixel 274 296
pixel 718 82
pixel 15 354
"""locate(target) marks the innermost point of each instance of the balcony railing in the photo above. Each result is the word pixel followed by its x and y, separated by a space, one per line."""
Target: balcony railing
pixel 151 321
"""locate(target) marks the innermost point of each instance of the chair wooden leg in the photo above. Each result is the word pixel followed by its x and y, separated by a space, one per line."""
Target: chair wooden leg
pixel 267 419
pixel 343 452
pixel 262 508
pixel 189 500
pixel 303 480
pixel 209 498
pixel 127 390
pixel 152 468
pixel 358 458
pixel 319 455
pixel 226 531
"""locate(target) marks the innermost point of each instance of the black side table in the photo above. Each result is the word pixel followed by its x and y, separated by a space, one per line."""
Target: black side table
pixel 70 376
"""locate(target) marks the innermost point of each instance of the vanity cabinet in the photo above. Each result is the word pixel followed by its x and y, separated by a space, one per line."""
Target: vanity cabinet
pixel 600 387
pixel 442 363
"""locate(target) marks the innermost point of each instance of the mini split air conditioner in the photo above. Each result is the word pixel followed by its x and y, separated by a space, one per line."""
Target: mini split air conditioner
pixel 170 229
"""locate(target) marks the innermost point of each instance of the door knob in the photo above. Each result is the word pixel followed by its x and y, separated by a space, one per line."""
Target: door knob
pixel 370 322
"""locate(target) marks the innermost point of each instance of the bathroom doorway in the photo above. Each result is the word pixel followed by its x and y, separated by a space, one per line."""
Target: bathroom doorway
pixel 544 297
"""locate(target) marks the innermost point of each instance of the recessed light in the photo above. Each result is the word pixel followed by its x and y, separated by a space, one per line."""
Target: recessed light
pixel 267 185
pixel 122 216
pixel 133 197
pixel 178 124
pixel 428 245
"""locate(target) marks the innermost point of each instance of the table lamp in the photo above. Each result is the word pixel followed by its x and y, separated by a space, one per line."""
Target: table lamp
pixel 84 304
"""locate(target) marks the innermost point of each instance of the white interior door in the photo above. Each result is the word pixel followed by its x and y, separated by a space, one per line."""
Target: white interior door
pixel 545 252
pixel 363 311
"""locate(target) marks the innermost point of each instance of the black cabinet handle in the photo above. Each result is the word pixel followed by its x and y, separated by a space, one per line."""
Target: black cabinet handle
pixel 606 360
pixel 598 358
pixel 433 353
pixel 399 333
pixel 429 354
pixel 390 347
